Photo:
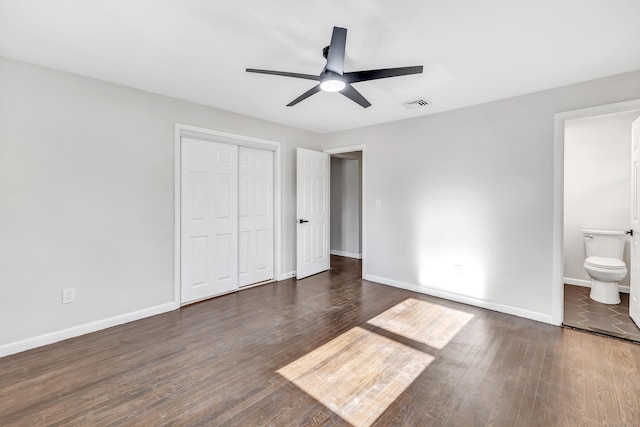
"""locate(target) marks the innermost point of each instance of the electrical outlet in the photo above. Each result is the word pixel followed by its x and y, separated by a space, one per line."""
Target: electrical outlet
pixel 68 295
pixel 459 269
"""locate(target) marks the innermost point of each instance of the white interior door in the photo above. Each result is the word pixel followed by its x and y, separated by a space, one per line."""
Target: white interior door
pixel 255 216
pixel 209 219
pixel 312 201
pixel 634 297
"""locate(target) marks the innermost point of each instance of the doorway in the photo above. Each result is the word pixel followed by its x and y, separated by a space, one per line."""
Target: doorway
pixel 593 149
pixel 347 204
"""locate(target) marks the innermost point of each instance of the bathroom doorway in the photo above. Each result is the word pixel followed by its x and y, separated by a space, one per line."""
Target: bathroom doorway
pixel 596 195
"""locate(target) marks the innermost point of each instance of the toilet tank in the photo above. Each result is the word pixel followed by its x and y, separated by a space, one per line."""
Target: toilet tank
pixel 604 243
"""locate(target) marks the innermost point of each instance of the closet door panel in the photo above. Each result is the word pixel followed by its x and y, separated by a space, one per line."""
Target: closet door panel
pixel 209 219
pixel 255 221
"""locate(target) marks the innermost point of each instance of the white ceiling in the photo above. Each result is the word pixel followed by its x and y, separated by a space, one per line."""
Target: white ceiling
pixel 197 50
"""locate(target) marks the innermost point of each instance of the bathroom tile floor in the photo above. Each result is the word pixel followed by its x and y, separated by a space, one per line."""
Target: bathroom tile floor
pixel 582 312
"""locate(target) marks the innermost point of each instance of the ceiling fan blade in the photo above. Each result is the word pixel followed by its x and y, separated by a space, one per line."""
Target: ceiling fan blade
pixel 305 95
pixel 335 57
pixel 351 93
pixel 284 73
pixel 383 73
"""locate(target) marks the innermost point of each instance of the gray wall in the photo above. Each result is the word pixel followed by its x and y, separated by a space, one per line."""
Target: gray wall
pixel 472 187
pixel 86 185
pixel 345 206
pixel 87 196
pixel 597 183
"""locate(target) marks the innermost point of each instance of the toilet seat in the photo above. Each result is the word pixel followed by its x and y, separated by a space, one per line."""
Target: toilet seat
pixel 605 263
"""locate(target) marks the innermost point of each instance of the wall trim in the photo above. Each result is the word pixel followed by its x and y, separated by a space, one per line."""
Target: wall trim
pixel 587 284
pixel 507 309
pixel 225 137
pixel 75 331
pixel 346 254
pixel 577 282
pixel 557 288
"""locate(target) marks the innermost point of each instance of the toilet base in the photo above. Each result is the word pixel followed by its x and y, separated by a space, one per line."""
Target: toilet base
pixel 605 292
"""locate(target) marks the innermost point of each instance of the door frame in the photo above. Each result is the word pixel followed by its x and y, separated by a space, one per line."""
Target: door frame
pixel 557 298
pixel 362 148
pixel 234 139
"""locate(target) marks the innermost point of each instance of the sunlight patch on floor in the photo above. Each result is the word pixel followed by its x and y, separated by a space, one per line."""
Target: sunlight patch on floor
pixel 423 322
pixel 358 374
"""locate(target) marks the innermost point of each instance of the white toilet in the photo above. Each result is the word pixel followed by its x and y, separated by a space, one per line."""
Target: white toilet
pixel 604 264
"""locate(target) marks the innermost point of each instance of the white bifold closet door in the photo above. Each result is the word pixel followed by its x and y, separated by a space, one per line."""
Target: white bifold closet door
pixel 226 218
pixel 209 261
pixel 255 216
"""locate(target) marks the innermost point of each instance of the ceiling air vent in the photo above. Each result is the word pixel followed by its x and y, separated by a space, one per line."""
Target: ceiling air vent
pixel 416 103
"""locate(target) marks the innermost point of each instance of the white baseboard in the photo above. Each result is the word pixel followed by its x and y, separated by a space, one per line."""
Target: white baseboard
pixel 577 282
pixel 52 337
pixel 587 284
pixel 533 315
pixel 347 254
pixel 285 276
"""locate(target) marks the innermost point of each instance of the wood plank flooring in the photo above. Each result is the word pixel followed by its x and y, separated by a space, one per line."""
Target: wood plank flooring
pixel 331 349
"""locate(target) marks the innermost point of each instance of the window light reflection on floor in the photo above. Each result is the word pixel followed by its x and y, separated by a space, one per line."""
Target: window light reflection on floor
pixel 423 322
pixel 358 374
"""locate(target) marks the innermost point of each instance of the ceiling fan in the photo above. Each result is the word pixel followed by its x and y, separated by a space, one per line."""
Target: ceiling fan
pixel 334 79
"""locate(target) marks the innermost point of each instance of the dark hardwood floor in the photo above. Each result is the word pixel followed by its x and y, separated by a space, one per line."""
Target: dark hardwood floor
pixel 332 349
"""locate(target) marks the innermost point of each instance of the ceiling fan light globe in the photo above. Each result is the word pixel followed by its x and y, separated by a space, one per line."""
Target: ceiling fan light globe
pixel 332 85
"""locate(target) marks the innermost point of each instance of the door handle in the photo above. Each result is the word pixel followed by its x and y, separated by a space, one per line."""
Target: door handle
pixel 302 221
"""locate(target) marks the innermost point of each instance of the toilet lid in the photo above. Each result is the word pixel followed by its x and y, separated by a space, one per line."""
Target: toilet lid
pixel 602 262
